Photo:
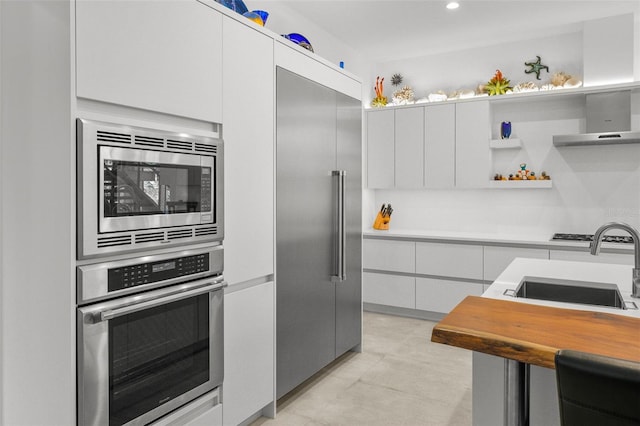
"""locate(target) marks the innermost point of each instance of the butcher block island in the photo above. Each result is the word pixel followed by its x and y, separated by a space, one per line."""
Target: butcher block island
pixel 504 330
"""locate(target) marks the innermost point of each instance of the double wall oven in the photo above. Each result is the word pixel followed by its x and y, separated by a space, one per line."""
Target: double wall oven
pixel 150 273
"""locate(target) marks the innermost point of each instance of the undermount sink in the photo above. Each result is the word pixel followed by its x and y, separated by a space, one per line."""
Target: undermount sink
pixel 569 291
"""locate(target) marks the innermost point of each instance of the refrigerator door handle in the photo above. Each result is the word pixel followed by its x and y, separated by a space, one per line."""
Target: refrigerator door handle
pixel 340 273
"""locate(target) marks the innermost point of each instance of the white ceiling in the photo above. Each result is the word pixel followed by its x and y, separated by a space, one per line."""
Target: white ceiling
pixel 384 30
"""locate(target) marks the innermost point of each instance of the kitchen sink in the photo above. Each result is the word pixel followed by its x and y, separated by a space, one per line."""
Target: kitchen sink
pixel 569 291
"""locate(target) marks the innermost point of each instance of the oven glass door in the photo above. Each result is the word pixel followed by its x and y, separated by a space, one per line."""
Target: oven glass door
pixel 147 359
pixel 148 189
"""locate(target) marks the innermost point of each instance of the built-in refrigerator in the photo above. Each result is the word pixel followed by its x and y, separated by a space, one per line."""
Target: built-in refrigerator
pixel 318 228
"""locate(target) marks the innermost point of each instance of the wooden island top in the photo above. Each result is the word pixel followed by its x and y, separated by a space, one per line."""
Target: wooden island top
pixel 533 333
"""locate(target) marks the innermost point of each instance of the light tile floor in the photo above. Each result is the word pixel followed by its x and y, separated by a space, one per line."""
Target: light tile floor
pixel 400 378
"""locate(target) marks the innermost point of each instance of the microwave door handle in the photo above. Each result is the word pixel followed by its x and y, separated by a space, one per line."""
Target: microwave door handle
pixel 158 300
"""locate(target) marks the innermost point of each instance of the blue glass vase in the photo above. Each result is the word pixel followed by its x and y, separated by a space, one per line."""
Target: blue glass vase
pixel 505 129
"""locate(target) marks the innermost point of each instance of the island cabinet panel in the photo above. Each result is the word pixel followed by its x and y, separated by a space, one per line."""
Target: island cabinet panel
pixel 249 118
pixel 473 156
pixel 449 260
pixel 409 148
pixel 389 255
pixel 389 290
pixel 440 146
pixel 585 256
pixel 436 295
pixel 248 352
pixel 380 149
pixel 496 259
pixel 163 56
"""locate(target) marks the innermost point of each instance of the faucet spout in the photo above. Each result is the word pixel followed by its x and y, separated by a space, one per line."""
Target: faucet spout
pixel 597 241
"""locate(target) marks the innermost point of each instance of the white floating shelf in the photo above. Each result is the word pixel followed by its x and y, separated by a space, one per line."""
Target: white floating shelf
pixel 505 143
pixel 520 184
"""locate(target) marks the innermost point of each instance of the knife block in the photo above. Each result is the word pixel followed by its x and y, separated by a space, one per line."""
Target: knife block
pixel 382 222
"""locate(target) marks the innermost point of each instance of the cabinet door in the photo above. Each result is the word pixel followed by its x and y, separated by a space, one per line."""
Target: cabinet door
pixel 435 295
pixel 473 157
pixel 161 56
pixel 440 146
pixel 389 290
pixel 248 352
pixel 248 95
pixel 409 148
pixel 496 259
pixel 389 255
pixel 380 149
pixel 449 260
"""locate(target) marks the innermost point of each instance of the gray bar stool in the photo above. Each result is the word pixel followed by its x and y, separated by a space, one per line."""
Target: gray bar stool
pixel 597 390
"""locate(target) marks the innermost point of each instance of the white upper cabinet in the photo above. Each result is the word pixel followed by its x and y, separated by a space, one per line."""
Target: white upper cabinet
pixel 409 148
pixel 473 156
pixel 163 56
pixel 380 149
pixel 248 128
pixel 440 146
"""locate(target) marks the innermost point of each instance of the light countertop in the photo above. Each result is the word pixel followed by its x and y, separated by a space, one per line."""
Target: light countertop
pixel 620 275
pixel 513 239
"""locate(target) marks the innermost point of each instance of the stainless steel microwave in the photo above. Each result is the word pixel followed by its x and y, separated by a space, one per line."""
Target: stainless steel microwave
pixel 141 188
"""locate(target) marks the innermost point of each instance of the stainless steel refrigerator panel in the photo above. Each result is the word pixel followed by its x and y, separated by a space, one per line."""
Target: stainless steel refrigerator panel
pixel 349 159
pixel 305 315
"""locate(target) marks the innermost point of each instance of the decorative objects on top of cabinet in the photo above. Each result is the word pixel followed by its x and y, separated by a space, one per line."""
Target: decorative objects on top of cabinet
pixel 505 130
pixel 536 67
pixel 256 17
pixel 380 100
pixel 235 5
pixel 300 40
pixel 498 85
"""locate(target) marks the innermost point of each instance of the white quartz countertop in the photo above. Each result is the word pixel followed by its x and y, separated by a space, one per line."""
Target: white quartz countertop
pixel 620 275
pixel 508 239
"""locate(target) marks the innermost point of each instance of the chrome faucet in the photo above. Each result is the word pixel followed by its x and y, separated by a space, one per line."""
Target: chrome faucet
pixel 597 240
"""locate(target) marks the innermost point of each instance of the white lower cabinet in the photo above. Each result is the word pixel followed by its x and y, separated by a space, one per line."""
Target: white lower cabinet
pixel 583 256
pixel 248 352
pixel 389 255
pixel 442 296
pixel 389 290
pixel 212 417
pixel 449 260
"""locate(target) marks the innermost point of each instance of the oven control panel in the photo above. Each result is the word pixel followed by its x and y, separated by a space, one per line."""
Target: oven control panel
pixel 106 280
pixel 151 272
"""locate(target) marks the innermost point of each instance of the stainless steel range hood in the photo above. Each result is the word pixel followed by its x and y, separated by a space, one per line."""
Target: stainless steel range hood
pixel 608 122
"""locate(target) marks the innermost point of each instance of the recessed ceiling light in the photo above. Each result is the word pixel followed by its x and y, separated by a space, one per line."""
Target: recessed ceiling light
pixel 453 5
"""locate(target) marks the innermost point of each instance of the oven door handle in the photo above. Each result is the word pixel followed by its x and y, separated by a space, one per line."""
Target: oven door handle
pixel 157 298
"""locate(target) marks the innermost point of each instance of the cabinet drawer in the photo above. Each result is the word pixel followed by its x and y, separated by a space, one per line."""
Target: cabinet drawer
pixel 496 259
pixel 389 255
pixel 583 256
pixel 449 260
pixel 443 295
pixel 389 290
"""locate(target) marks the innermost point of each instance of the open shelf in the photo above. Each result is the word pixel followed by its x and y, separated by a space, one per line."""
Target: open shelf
pixel 505 143
pixel 520 184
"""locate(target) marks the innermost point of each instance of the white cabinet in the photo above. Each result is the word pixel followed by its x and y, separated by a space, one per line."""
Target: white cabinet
pixel 440 146
pixel 496 259
pixel 473 157
pixel 584 256
pixel 389 255
pixel 449 260
pixel 380 149
pixel 388 290
pixel 436 295
pixel 409 148
pixel 162 56
pixel 248 128
pixel 248 352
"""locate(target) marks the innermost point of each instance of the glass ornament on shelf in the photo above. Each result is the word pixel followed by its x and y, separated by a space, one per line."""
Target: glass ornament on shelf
pixel 505 130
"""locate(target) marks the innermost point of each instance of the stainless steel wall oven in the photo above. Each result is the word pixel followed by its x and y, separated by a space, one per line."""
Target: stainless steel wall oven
pixel 138 187
pixel 150 335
